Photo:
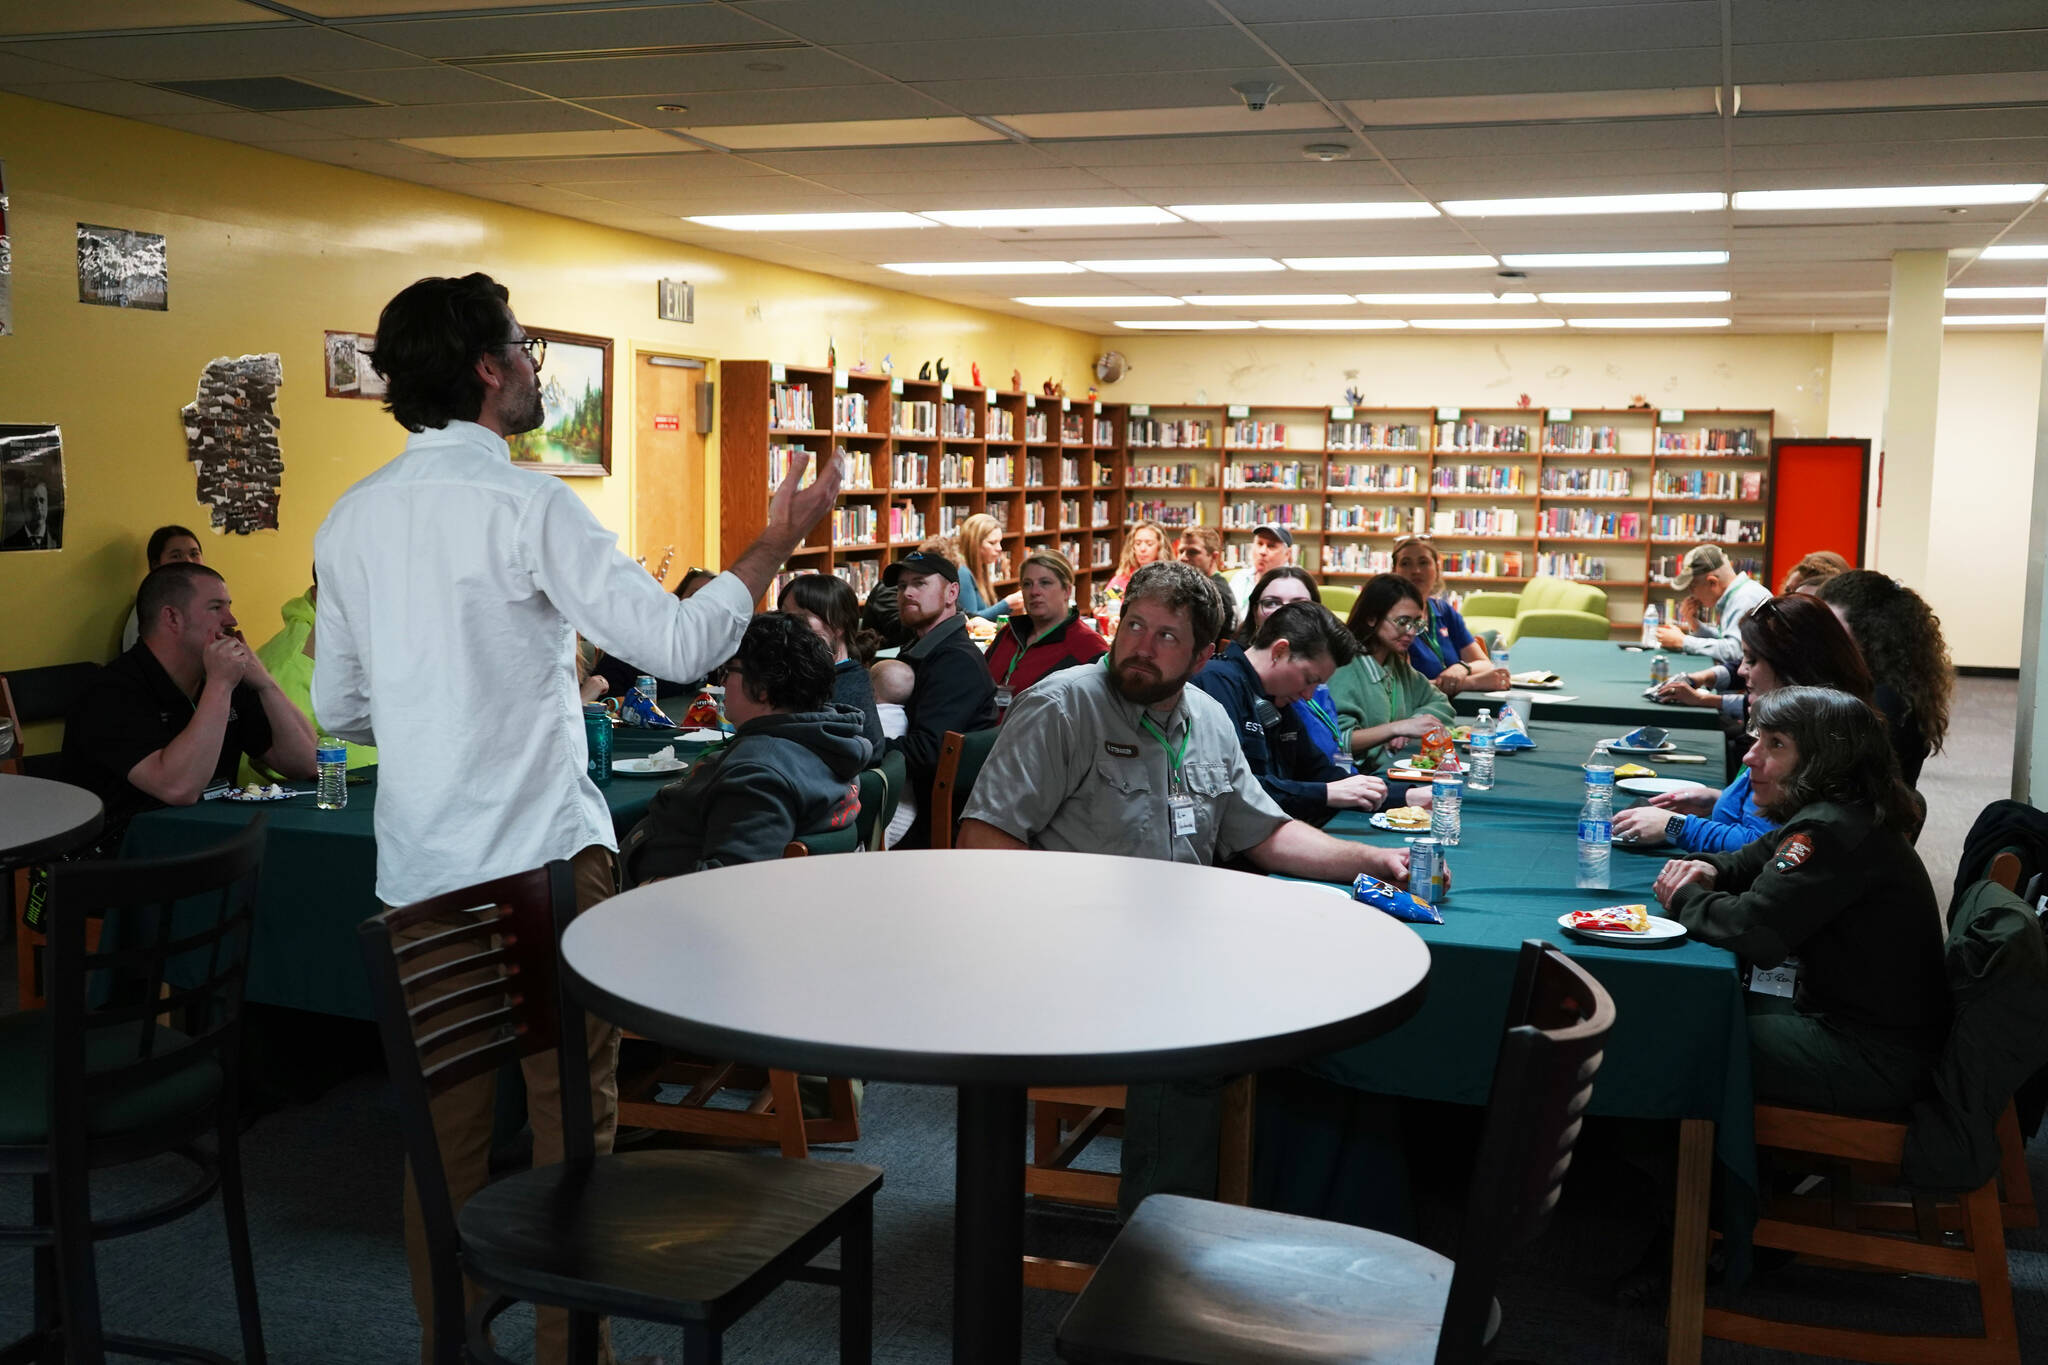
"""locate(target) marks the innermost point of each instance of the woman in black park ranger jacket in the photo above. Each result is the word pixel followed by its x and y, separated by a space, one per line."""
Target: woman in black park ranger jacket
pixel 1839 888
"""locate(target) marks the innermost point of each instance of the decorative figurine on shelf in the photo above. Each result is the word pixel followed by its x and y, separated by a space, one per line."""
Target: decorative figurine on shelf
pixel 1523 402
pixel 860 366
pixel 888 363
pixel 941 370
pixel 1016 381
pixel 1353 398
pixel 1640 400
pixel 975 370
pixel 831 353
pixel 924 371
pixel 1053 390
pixel 1091 393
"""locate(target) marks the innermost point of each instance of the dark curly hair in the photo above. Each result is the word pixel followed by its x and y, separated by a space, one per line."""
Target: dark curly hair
pixel 1845 755
pixel 783 665
pixel 1380 595
pixel 428 339
pixel 831 600
pixel 1805 645
pixel 162 536
pixel 1245 629
pixel 1901 640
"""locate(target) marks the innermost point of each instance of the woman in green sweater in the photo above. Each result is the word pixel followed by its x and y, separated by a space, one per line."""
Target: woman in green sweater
pixel 1382 701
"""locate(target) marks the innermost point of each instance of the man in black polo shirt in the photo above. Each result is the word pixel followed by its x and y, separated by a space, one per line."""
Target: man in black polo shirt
pixel 953 690
pixel 175 714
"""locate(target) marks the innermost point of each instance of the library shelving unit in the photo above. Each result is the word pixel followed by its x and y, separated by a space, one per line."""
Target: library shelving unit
pixel 922 457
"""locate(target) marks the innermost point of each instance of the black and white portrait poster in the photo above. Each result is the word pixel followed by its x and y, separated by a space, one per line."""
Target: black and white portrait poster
pixel 6 262
pixel 122 269
pixel 31 487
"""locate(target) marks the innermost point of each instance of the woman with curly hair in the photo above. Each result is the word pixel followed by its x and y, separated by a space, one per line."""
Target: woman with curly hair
pixel 1901 641
pixel 1144 543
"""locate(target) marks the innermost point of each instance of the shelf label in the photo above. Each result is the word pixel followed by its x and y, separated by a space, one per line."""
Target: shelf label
pixel 1066 405
pixel 1098 407
pixel 1239 410
pixel 775 372
pixel 1671 415
pixel 1141 409
pixel 1559 415
pixel 1031 400
pixel 1339 412
pixel 946 392
pixel 1449 414
pixel 839 379
pixel 896 383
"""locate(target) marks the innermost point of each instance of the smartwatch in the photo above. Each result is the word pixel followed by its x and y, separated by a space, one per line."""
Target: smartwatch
pixel 1671 828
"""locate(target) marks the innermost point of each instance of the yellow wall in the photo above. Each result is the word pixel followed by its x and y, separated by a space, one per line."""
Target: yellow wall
pixel 266 253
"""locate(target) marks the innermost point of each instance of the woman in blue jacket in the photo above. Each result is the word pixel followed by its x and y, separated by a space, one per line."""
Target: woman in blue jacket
pixel 1275 589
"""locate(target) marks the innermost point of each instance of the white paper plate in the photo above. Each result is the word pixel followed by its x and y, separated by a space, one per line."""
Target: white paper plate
pixel 1379 820
pixel 1528 680
pixel 648 767
pixel 1616 746
pixel 239 795
pixel 1654 786
pixel 701 736
pixel 1661 931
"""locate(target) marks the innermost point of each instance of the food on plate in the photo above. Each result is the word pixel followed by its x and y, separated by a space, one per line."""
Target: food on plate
pixel 1535 677
pixel 980 631
pixel 1614 919
pixel 253 790
pixel 1406 817
pixel 1462 733
pixel 1634 770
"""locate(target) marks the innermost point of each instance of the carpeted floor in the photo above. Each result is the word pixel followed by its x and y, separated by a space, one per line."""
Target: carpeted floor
pixel 324 1175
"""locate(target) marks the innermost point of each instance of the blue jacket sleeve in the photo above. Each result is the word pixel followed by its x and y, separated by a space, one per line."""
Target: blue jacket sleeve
pixel 1304 800
pixel 1735 822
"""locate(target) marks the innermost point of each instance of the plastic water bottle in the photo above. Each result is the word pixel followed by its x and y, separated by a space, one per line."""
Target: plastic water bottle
pixel 1650 627
pixel 1446 802
pixel 1480 778
pixel 1596 821
pixel 331 757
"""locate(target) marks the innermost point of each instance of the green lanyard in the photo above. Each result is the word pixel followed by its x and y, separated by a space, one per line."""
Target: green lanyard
pixel 1174 754
pixel 1329 721
pixel 1018 657
pixel 1429 634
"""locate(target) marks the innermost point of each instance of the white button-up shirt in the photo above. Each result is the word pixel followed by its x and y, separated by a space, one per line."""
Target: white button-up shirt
pixel 451 589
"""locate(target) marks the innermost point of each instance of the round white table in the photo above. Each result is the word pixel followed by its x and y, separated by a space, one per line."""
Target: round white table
pixel 992 972
pixel 38 817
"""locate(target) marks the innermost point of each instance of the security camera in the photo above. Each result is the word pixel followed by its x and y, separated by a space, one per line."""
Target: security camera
pixel 1256 94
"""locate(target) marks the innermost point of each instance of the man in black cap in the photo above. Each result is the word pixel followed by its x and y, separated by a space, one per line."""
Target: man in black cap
pixel 953 690
pixel 1272 546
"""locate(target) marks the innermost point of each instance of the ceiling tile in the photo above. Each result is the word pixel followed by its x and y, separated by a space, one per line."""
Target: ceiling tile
pixel 1538 139
pixel 592 142
pixel 838 22
pixel 1493 75
pixel 240 126
pixel 1303 179
pixel 1503 33
pixel 1147 89
pixel 273 50
pixel 1222 150
pixel 589 29
pixel 1763 21
pixel 20 69
pixel 693 167
pixel 362 154
pixel 981 156
pixel 900 132
pixel 463 120
pixel 424 85
pixel 809 104
pixel 676 79
pixel 1871 58
pixel 126 98
pixel 1051 54
pixel 941 190
pixel 81 16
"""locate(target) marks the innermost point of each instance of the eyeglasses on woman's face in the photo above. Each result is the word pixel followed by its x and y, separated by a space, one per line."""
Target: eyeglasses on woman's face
pixel 1407 625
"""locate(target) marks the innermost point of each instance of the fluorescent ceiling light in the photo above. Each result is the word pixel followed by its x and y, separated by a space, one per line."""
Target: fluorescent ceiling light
pixel 1100 301
pixel 2017 291
pixel 1116 215
pixel 1434 300
pixel 1882 197
pixel 1391 262
pixel 1486 324
pixel 1270 300
pixel 1302 213
pixel 983 267
pixel 1190 325
pixel 809 222
pixel 1194 265
pixel 1996 320
pixel 1586 204
pixel 1333 324
pixel 1640 296
pixel 2037 251
pixel 1572 260
pixel 1648 322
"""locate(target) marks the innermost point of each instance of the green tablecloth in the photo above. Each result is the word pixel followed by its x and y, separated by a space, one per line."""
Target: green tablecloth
pixel 1552 775
pixel 319 881
pixel 1605 681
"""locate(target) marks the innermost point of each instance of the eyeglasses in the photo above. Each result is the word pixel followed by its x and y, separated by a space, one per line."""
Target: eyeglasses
pixel 719 675
pixel 536 349
pixel 1407 625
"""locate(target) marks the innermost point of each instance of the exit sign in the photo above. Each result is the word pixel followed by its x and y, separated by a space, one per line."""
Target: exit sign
pixel 668 421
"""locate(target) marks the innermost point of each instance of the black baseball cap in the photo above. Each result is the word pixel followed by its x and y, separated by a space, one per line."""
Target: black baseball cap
pixel 1279 533
pixel 924 562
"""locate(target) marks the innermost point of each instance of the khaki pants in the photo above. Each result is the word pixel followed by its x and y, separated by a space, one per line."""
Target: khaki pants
pixel 462 1122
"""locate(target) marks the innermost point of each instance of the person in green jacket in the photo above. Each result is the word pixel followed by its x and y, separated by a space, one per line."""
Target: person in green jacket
pixel 289 657
pixel 1383 702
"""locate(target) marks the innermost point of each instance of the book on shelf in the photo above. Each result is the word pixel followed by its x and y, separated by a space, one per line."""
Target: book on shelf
pixel 1476 521
pixel 860 469
pixel 1271 474
pixel 1070 471
pixel 1562 438
pixel 1101 513
pixel 1375 478
pixel 1585 482
pixel 956 469
pixel 1243 516
pixel 783 458
pixel 849 412
pixel 1726 484
pixel 1002 425
pixel 1034 426
pixel 999 471
pixel 1000 511
pixel 1071 549
pixel 1479 478
pixel 908 469
pixel 1251 435
pixel 1481 564
pixel 1174 514
pixel 1734 441
pixel 789 407
pixel 1664 567
pixel 1153 434
pixel 1355 558
pixel 956 420
pixel 1472 434
pixel 1105 432
pixel 1166 476
pixel 1070 514
pixel 857 524
pixel 1373 436
pixel 1070 429
pixel 916 417
pixel 1704 527
pixel 951 515
pixel 1586 523
pixel 906 523
pixel 1034 470
pixel 1387 521
pixel 1582 567
pixel 862 575
pixel 1034 517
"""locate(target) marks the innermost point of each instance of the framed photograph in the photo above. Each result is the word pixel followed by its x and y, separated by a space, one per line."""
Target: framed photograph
pixel 119 268
pixel 31 487
pixel 349 373
pixel 575 434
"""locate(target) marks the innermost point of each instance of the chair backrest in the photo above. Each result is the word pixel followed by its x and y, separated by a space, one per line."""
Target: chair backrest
pixel 1340 598
pixel 1544 592
pixel 1558 1021
pixel 828 841
pixel 960 760
pixel 881 789
pixel 115 928
pixel 11 741
pixel 463 984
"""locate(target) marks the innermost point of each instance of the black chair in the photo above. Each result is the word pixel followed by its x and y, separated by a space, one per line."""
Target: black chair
pixel 1190 1281
pixel 881 788
pixel 94 1079
pixel 693 1239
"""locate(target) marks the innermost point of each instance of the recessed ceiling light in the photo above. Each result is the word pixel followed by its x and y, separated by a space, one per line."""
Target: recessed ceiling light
pixel 809 222
pixel 1442 300
pixel 1270 300
pixel 983 267
pixel 1112 216
pixel 1101 301
pixel 1189 325
pixel 1485 324
pixel 1573 260
pixel 1333 324
pixel 672 108
pixel 1586 204
pixel 1195 265
pixel 2017 291
pixel 1391 262
pixel 1302 213
pixel 1996 320
pixel 1647 322
pixel 2036 251
pixel 1883 197
pixel 1639 296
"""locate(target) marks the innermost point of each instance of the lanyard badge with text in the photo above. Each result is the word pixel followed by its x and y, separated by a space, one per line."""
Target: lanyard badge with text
pixel 1179 805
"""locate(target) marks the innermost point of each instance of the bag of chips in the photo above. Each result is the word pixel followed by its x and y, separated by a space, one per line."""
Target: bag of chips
pixel 703 713
pixel 1385 896
pixel 1509 732
pixel 639 709
pixel 1614 919
pixel 1434 746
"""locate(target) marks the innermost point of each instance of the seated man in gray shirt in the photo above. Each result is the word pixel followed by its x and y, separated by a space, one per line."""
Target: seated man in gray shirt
pixel 1127 759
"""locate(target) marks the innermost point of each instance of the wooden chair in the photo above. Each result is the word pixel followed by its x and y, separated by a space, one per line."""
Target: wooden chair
pixel 1192 1281
pixel 693 1239
pixel 97 1080
pixel 1065 1119
pixel 775 1115
pixel 960 760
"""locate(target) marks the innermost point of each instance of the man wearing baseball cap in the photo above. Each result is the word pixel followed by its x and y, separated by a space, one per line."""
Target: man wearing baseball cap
pixel 1723 597
pixel 1272 546
pixel 953 690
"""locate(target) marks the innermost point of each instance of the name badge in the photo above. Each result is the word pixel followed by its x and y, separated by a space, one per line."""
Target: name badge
pixel 1778 980
pixel 1120 750
pixel 1182 809
pixel 1004 696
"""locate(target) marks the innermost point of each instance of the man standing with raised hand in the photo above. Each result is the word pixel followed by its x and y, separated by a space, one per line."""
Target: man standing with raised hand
pixel 452 588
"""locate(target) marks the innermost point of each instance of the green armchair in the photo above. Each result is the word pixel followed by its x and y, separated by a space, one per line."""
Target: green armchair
pixel 1546 607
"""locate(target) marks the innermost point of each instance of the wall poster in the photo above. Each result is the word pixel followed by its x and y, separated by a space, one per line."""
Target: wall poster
pixel 349 372
pixel 6 262
pixel 122 269
pixel 31 487
pixel 231 438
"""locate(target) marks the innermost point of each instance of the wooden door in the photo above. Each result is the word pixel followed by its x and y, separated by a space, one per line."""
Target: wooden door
pixel 669 492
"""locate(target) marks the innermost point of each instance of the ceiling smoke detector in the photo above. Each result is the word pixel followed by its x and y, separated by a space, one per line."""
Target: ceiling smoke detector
pixel 1256 94
pixel 1327 151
